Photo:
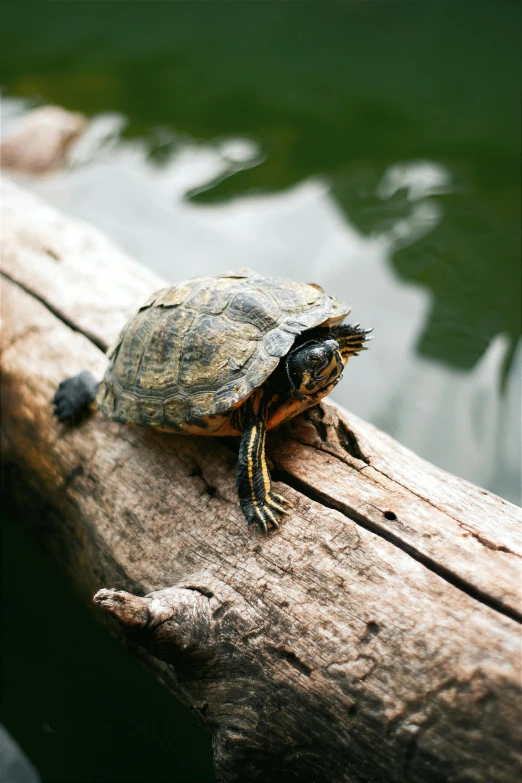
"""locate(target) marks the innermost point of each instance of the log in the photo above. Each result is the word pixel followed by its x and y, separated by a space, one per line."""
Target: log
pixel 41 140
pixel 375 637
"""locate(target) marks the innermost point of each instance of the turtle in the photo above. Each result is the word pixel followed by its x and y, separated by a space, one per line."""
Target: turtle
pixel 230 355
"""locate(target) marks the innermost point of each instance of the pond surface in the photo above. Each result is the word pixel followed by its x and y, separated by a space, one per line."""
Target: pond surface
pixel 373 148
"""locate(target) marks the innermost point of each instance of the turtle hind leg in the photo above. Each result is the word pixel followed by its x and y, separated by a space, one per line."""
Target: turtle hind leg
pixel 75 396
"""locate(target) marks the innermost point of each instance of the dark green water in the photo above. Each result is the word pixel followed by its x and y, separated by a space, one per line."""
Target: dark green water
pixel 342 91
pixel 382 160
pixel 81 708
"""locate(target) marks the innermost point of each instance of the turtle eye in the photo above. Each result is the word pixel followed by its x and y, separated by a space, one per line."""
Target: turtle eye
pixel 315 358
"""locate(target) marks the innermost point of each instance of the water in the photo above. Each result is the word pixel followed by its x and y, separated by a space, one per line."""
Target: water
pixel 372 148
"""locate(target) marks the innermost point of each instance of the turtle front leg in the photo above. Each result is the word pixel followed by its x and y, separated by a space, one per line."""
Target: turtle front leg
pixel 350 338
pixel 259 503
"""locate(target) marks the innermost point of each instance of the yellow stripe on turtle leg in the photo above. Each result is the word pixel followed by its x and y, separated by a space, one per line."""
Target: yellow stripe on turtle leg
pixel 269 497
pixel 250 461
pixel 278 507
pixel 264 466
pixel 261 517
pixel 272 516
pixel 281 499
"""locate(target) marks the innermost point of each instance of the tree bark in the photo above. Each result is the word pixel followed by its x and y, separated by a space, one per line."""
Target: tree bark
pixel 376 637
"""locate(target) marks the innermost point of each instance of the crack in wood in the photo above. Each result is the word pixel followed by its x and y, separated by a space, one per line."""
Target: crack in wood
pixel 201 590
pixel 101 344
pixel 291 658
pixel 437 568
pixel 489 545
pixel 348 440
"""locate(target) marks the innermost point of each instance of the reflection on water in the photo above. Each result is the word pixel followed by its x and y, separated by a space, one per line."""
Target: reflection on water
pixel 418 180
pixel 456 418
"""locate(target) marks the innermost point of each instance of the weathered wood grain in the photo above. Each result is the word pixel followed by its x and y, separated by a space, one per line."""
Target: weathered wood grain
pixel 374 638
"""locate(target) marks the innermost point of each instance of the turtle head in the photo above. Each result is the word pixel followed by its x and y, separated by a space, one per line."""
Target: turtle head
pixel 313 366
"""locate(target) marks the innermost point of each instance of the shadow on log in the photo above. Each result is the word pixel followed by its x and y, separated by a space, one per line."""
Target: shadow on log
pixel 375 637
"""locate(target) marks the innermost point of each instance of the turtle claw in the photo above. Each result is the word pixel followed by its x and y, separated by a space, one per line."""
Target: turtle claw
pixel 264 512
pixel 281 500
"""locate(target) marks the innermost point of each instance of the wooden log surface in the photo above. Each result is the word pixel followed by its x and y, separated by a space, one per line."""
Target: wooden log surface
pixel 376 637
pixel 41 140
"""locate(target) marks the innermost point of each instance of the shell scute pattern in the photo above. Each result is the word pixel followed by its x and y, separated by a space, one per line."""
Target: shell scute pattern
pixel 127 357
pixel 251 306
pixel 127 408
pixel 151 413
pixel 196 350
pixel 161 356
pixel 209 347
pixel 177 411
pixel 290 296
pixel 172 297
pixel 211 299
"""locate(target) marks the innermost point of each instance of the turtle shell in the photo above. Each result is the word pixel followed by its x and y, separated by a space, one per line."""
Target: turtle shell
pixel 197 350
